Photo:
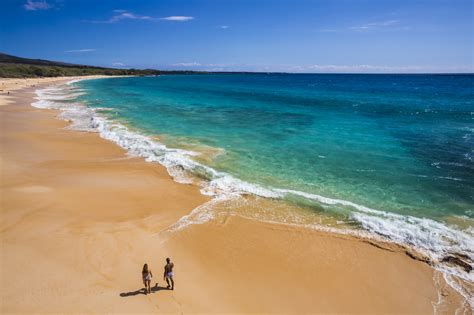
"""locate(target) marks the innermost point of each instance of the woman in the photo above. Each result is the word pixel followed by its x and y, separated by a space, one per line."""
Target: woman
pixel 146 276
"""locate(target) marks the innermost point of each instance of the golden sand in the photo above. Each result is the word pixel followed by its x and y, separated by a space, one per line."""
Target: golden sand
pixel 79 218
pixel 9 85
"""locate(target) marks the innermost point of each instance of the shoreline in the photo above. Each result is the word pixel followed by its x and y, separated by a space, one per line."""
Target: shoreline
pixel 8 85
pixel 219 239
pixel 413 233
pixel 416 238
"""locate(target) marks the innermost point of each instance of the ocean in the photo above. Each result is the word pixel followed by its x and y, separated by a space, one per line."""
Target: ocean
pixel 388 156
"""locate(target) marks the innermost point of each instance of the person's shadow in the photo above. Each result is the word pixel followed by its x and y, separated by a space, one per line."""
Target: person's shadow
pixel 154 289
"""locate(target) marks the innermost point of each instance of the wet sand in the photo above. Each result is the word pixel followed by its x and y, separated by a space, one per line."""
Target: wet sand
pixel 79 218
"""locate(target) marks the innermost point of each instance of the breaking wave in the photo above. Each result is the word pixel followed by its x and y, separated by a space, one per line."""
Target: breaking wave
pixel 433 239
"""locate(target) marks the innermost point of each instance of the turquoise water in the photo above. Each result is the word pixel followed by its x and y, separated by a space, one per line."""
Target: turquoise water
pixel 380 156
pixel 398 143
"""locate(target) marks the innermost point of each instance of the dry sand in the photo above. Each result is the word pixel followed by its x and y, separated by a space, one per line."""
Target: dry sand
pixel 79 218
pixel 9 85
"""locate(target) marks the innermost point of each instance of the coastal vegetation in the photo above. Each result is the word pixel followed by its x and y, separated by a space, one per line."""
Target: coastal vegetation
pixel 17 67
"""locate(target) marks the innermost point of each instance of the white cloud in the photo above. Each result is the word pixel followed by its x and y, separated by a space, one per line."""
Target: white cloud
pixel 177 18
pixel 224 27
pixel 31 5
pixel 124 15
pixel 80 50
pixel 374 25
pixel 121 15
pixel 118 64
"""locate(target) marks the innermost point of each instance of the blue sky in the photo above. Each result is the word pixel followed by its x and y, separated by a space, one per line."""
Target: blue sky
pixel 249 35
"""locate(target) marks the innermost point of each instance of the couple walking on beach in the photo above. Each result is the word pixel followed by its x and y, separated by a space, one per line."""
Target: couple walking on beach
pixel 167 275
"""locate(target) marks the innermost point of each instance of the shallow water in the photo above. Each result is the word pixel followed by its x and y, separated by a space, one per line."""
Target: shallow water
pixel 390 155
pixel 398 143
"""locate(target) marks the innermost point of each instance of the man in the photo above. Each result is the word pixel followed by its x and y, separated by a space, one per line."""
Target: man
pixel 168 274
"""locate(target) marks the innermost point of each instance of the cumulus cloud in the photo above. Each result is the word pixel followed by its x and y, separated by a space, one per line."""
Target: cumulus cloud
pixel 177 18
pixel 80 50
pixel 31 5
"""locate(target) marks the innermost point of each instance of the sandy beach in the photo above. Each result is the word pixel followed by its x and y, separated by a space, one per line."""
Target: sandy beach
pixel 10 85
pixel 79 218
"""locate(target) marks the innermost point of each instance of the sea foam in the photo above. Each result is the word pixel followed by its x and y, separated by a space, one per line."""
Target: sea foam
pixel 433 239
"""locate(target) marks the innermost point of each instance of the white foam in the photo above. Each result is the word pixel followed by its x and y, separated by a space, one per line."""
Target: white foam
pixel 202 214
pixel 432 238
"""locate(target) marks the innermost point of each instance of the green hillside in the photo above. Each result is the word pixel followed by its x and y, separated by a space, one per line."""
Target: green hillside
pixel 17 67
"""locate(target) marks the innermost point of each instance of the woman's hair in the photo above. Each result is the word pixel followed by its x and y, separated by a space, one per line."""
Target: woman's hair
pixel 145 268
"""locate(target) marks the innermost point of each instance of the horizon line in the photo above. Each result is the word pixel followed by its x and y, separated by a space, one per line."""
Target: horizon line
pixel 249 72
